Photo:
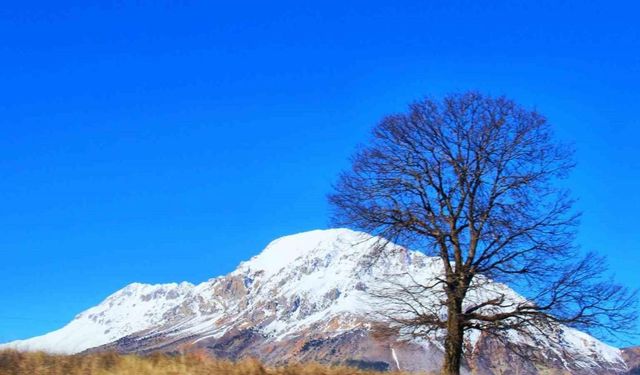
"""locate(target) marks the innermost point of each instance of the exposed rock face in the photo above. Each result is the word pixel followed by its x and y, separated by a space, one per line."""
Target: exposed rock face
pixel 305 297
pixel 632 357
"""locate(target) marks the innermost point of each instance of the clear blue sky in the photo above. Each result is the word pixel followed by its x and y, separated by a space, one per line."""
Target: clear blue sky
pixel 161 142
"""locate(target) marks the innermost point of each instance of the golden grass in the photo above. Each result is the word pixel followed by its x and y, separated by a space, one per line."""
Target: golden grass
pixel 20 363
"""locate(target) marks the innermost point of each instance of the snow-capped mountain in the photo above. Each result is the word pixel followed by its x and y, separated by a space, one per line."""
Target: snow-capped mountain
pixel 305 297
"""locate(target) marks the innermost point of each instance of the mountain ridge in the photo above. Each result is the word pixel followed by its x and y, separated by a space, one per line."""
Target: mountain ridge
pixel 304 297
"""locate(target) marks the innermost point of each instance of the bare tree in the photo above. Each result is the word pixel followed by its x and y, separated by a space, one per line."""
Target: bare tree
pixel 475 181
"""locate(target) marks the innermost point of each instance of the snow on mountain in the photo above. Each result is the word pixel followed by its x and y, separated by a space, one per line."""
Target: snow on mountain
pixel 305 296
pixel 134 308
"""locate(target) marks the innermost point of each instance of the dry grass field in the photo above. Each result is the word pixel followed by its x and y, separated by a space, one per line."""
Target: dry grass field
pixel 19 363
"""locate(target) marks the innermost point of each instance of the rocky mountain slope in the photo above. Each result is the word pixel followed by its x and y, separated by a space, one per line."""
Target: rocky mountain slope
pixel 632 357
pixel 307 297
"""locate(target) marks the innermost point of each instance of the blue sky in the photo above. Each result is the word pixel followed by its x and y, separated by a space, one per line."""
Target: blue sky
pixel 168 141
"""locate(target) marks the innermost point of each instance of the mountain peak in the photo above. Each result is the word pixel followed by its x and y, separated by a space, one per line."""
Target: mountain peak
pixel 285 250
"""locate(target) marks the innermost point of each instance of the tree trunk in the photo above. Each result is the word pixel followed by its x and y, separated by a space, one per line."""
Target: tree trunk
pixel 454 340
